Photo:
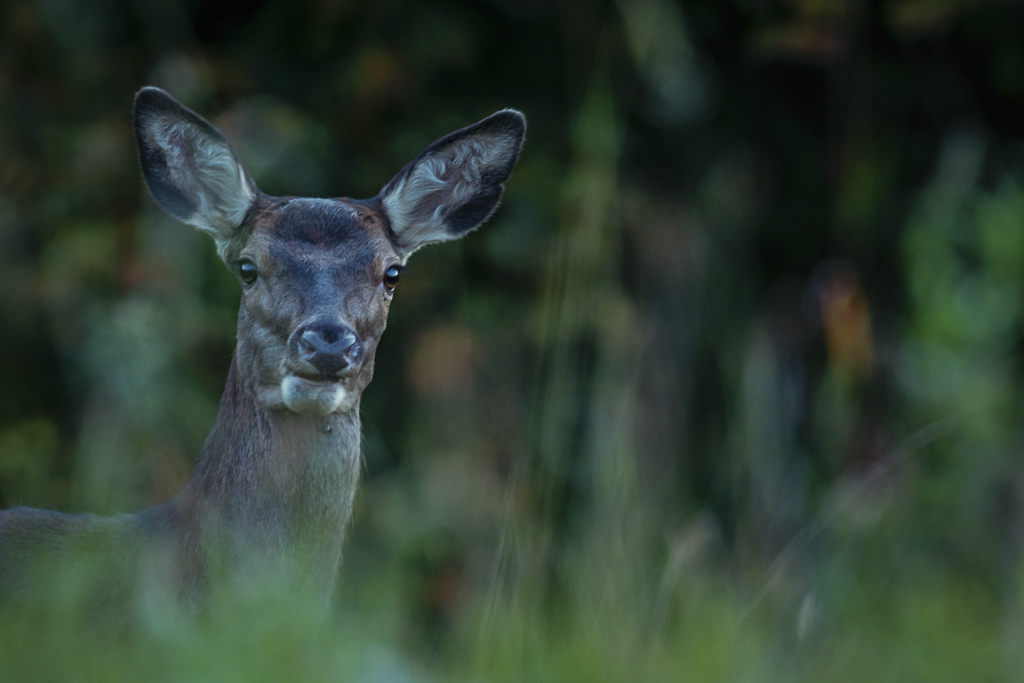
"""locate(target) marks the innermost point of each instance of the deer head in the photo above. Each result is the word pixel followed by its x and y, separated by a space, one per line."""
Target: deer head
pixel 318 275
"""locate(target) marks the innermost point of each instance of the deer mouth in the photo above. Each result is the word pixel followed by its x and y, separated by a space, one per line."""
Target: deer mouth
pixel 312 393
pixel 315 378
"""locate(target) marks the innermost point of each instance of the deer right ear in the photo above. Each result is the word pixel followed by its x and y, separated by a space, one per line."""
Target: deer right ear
pixel 455 184
pixel 189 166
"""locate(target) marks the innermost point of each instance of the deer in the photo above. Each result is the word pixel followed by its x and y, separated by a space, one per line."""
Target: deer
pixel 272 491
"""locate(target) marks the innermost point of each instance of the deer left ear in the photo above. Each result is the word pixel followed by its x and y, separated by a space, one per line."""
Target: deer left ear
pixel 190 168
pixel 455 184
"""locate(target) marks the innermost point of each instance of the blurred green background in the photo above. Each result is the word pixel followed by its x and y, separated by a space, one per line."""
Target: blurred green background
pixel 729 389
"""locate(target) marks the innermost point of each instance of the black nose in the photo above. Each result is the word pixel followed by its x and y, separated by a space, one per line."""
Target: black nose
pixel 330 348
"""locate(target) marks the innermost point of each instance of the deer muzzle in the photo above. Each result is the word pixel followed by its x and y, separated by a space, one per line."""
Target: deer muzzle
pixel 332 350
pixel 322 355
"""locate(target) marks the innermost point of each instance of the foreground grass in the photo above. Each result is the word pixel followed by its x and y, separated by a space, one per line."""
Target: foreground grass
pixel 933 627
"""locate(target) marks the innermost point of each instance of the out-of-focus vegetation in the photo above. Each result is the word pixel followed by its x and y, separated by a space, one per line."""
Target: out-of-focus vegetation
pixel 729 390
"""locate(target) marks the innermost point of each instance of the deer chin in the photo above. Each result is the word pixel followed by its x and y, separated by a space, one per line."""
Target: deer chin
pixel 309 397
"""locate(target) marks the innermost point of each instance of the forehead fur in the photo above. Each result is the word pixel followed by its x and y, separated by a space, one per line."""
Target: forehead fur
pixel 323 225
pixel 321 222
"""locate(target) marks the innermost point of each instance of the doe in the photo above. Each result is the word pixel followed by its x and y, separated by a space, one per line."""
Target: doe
pixel 273 488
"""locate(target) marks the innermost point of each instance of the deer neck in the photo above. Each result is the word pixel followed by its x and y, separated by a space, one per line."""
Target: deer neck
pixel 273 478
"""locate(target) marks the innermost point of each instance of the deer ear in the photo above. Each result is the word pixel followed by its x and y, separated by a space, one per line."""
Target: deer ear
pixel 189 167
pixel 455 184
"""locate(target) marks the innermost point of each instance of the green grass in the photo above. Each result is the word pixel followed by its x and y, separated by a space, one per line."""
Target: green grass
pixel 605 624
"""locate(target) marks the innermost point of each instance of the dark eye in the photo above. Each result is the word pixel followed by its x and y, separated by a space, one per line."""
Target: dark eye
pixel 391 278
pixel 247 271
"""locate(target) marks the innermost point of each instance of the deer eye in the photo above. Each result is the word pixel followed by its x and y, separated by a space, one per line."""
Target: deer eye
pixel 247 271
pixel 391 278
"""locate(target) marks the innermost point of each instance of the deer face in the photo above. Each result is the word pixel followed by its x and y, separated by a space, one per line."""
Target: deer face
pixel 318 275
pixel 317 279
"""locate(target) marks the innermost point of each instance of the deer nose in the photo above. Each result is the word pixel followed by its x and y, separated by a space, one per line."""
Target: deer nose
pixel 330 348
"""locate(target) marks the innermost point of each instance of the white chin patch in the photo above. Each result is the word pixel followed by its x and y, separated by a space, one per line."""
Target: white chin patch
pixel 315 398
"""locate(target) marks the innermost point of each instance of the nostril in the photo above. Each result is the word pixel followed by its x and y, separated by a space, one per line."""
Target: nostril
pixel 331 349
pixel 353 353
pixel 310 342
pixel 347 342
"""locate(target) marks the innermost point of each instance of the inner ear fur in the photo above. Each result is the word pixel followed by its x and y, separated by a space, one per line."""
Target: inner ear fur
pixel 189 167
pixel 455 184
